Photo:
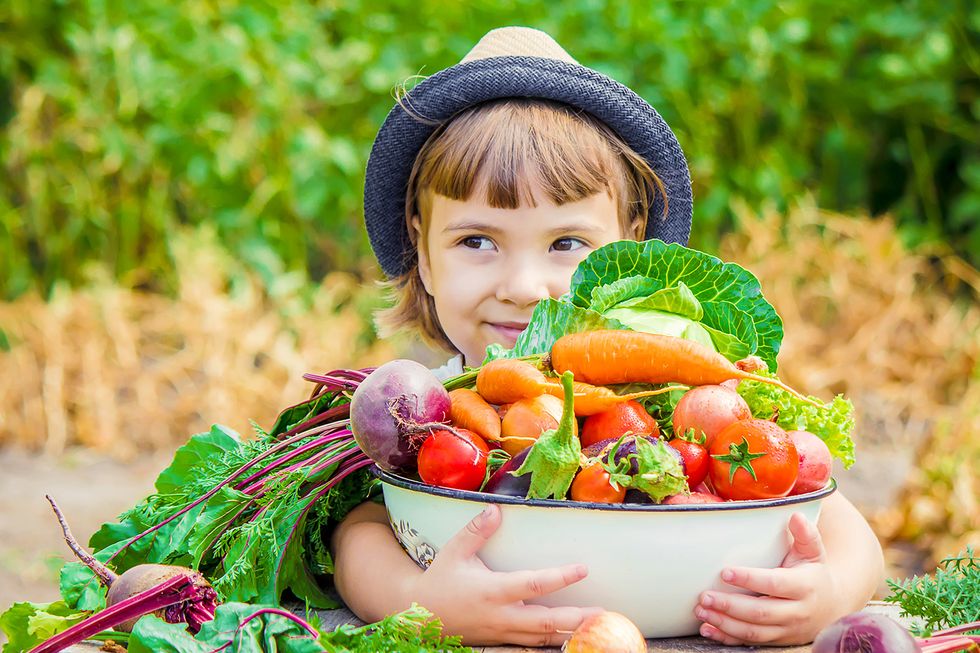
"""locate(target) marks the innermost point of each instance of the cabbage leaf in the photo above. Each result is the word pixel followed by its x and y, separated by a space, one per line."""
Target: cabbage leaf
pixel 665 288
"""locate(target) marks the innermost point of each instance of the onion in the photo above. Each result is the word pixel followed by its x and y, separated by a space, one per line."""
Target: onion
pixel 864 632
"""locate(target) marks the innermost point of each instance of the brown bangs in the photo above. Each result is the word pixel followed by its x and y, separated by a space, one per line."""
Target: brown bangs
pixel 504 148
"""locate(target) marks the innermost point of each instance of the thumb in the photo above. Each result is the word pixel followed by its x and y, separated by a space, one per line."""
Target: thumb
pixel 807 543
pixel 475 534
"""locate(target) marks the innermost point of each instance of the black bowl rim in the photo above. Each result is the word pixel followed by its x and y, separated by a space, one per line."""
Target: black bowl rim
pixel 486 497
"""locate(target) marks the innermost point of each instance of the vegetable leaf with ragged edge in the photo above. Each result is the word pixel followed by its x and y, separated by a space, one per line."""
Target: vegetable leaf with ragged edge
pixel 246 559
pixel 948 597
pixel 707 277
pixel 415 630
pixel 832 422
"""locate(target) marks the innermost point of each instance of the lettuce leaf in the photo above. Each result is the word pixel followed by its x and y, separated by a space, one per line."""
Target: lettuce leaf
pixel 732 310
pixel 28 624
pixel 833 422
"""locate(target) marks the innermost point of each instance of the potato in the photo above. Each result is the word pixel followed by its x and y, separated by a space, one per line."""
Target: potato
pixel 815 462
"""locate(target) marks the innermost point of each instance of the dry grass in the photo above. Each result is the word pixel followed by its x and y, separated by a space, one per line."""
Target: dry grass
pixel 897 332
pixel 123 371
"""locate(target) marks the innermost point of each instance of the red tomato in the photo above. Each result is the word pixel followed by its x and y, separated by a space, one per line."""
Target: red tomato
pixel 455 462
pixel 625 417
pixel 753 459
pixel 593 484
pixel 695 459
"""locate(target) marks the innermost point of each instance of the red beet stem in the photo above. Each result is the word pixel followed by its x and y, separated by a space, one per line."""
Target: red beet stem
pixel 339 435
pixel 963 628
pixel 210 493
pixel 171 591
pixel 948 644
pixel 105 575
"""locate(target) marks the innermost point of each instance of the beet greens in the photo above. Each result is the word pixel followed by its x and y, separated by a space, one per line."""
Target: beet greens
pixel 251 515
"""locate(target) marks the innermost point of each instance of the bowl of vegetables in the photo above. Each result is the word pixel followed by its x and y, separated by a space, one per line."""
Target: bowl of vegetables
pixel 637 426
pixel 647 561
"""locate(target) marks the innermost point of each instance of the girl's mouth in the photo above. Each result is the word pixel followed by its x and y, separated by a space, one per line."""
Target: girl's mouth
pixel 508 331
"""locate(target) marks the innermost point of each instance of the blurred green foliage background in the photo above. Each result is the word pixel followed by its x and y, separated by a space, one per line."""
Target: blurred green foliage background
pixel 122 121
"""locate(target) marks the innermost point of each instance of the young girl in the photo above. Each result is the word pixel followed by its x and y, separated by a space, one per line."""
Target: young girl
pixel 487 185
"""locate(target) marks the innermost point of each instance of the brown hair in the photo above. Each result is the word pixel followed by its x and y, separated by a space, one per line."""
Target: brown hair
pixel 500 148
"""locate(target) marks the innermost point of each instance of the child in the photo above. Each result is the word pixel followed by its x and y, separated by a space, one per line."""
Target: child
pixel 487 184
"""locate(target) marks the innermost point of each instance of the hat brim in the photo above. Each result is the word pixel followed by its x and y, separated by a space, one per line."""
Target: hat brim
pixel 449 91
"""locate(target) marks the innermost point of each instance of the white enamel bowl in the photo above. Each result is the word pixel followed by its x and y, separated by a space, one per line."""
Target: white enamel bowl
pixel 649 562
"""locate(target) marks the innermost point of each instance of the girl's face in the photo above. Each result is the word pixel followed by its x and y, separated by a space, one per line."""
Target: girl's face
pixel 486 268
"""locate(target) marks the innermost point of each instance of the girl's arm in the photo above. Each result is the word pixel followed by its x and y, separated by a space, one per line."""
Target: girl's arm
pixel 831 570
pixel 376 578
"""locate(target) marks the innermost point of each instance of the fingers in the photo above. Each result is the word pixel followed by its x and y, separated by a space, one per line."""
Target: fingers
pixel 541 626
pixel 807 543
pixel 780 583
pixel 522 585
pixel 761 610
pixel 730 631
pixel 474 535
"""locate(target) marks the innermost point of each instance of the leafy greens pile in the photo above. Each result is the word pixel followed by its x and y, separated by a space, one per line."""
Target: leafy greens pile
pixel 243 627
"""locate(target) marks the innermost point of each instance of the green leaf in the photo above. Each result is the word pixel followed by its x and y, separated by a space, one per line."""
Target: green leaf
pixel 552 318
pixel 659 474
pixel 832 422
pixel 608 295
pixel 732 330
pixel 28 624
pixel 677 300
pixel 80 588
pixel 708 278
pixel 266 632
pixel 199 449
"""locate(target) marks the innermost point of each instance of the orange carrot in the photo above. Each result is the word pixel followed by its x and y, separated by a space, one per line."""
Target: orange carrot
pixel 593 399
pixel 470 411
pixel 605 357
pixel 506 380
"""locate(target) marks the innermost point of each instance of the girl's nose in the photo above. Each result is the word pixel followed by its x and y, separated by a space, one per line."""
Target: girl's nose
pixel 522 284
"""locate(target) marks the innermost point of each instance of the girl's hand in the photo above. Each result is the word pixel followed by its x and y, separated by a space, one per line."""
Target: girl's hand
pixel 797 600
pixel 487 607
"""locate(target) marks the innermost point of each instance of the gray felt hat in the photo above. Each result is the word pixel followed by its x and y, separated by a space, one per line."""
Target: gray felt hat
pixel 526 63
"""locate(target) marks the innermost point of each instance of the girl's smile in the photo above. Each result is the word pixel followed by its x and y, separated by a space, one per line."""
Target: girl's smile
pixel 487 268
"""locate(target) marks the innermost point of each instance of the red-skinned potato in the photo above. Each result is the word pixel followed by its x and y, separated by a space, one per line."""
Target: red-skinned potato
pixel 693 497
pixel 708 409
pixel 604 633
pixel 816 462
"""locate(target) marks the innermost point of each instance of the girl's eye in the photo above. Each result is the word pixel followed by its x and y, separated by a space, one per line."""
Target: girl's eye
pixel 567 244
pixel 476 242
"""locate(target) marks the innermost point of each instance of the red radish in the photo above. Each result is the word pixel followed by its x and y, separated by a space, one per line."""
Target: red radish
pixel 606 632
pixel 394 410
pixel 455 460
pixel 708 409
pixel 693 497
pixel 175 594
pixel 816 463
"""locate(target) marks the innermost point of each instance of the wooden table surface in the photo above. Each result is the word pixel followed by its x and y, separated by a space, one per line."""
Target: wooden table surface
pixel 333 618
